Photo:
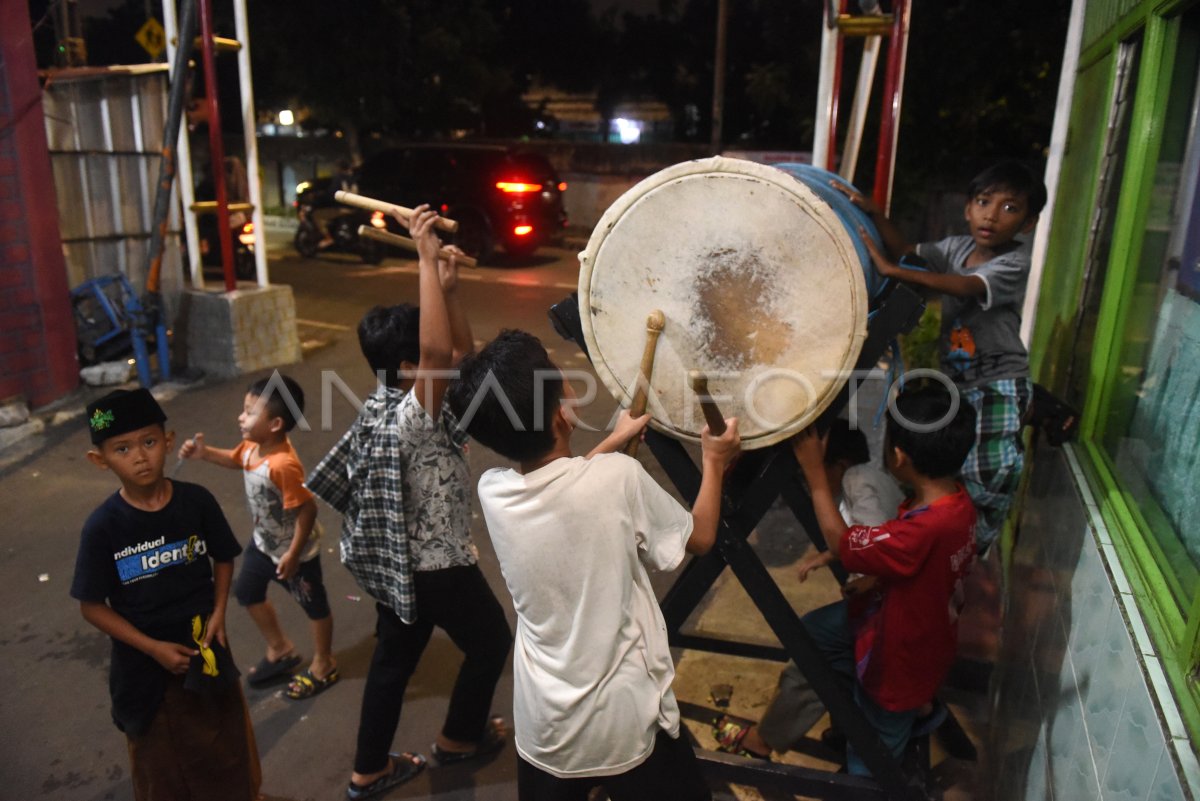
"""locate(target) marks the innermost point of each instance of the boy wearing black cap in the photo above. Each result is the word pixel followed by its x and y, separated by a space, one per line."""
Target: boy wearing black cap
pixel 144 577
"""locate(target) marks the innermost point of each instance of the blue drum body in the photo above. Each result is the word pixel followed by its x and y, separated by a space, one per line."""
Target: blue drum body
pixel 851 216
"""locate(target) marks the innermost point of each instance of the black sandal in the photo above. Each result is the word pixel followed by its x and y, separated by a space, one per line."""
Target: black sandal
pixel 405 766
pixel 494 738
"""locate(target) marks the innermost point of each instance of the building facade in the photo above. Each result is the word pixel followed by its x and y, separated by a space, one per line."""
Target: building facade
pixel 1097 694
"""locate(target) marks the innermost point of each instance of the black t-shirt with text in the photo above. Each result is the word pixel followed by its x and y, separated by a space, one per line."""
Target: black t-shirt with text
pixel 153 569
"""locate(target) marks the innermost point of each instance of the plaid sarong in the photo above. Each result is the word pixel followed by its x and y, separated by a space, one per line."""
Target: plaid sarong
pixel 992 471
pixel 361 477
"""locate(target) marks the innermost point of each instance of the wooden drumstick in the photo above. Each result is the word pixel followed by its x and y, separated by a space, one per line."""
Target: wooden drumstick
pixel 388 238
pixel 371 204
pixel 655 323
pixel 712 412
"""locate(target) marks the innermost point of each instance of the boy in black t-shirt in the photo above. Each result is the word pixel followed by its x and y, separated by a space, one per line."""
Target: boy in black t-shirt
pixel 144 577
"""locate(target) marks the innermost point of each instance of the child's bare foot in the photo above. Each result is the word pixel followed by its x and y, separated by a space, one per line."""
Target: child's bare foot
pixel 286 648
pixel 321 667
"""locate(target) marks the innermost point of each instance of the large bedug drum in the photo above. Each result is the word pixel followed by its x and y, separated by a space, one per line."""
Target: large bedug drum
pixel 762 279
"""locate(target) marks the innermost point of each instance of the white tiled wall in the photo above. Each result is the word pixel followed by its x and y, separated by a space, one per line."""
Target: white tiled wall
pixel 1075 717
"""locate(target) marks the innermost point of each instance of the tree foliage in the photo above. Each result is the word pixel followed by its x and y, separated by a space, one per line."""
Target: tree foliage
pixel 415 67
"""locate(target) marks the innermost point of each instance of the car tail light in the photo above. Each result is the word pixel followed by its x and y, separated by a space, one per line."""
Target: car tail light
pixel 523 230
pixel 562 186
pixel 378 221
pixel 517 187
pixel 445 208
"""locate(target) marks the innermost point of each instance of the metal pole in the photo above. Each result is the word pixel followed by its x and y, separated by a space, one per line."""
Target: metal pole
pixel 166 175
pixel 183 158
pixel 249 125
pixel 836 94
pixel 718 104
pixel 216 147
pixel 862 97
pixel 893 94
pixel 829 43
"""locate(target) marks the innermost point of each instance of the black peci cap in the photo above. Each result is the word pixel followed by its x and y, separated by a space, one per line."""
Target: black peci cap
pixel 121 412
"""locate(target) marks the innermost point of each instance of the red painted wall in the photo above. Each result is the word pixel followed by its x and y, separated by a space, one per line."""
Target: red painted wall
pixel 37 329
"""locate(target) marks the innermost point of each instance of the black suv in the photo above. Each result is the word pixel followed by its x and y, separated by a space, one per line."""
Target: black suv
pixel 500 195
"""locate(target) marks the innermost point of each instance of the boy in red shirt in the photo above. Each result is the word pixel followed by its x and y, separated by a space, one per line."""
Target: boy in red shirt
pixel 896 640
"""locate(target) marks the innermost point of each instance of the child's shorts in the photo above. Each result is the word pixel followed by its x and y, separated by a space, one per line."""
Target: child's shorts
pixel 992 471
pixel 258 571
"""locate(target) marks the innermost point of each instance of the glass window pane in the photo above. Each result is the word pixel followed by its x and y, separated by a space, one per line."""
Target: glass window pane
pixel 1151 428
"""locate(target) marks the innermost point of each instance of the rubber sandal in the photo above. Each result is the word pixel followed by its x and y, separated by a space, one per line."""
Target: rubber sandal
pixel 729 735
pixel 267 671
pixel 494 738
pixel 306 685
pixel 834 740
pixel 405 766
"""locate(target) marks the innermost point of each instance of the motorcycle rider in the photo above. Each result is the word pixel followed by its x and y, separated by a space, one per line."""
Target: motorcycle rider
pixel 345 179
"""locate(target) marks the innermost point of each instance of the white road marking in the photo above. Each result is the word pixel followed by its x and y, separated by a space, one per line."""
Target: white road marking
pixel 463 275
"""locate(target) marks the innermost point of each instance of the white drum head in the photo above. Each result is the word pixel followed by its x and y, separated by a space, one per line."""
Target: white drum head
pixel 760 284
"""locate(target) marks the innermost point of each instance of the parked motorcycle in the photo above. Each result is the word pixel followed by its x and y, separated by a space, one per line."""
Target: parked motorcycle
pixel 343 228
pixel 240 226
pixel 242 231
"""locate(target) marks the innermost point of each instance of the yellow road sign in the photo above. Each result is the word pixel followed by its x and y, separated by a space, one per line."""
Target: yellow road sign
pixel 152 37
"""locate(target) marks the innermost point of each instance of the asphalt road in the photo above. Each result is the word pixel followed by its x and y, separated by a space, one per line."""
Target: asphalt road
pixel 57 737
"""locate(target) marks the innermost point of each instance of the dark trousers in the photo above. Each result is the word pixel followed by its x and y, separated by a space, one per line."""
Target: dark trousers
pixel 459 601
pixel 796 707
pixel 670 772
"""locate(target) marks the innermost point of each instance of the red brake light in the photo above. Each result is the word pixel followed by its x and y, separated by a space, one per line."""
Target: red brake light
pixel 523 230
pixel 246 235
pixel 562 186
pixel 517 187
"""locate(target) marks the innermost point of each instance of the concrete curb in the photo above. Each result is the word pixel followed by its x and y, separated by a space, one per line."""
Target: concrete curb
pixel 18 442
pixel 273 222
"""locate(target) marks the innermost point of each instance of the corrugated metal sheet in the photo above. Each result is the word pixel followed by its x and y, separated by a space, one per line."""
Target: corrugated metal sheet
pixel 105 131
pixel 1103 15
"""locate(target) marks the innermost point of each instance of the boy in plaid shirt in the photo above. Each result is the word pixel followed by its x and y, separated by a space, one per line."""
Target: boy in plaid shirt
pixel 399 477
pixel 981 277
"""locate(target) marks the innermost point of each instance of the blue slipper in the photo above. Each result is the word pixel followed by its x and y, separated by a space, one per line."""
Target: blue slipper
pixel 405 766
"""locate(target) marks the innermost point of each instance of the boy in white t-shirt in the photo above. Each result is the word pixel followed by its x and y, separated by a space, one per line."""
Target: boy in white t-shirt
pixel 592 698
